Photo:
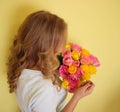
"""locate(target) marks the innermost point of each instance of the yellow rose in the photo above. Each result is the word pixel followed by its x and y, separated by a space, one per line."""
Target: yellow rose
pixel 65 84
pixel 85 69
pixel 92 69
pixel 86 76
pixel 67 46
pixel 72 69
pixel 75 55
pixel 88 69
pixel 85 52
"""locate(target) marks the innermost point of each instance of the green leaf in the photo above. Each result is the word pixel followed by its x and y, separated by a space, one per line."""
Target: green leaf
pixel 60 58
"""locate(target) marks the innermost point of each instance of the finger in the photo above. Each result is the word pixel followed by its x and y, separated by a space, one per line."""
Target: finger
pixel 90 89
pixel 85 82
pixel 87 85
pixel 91 83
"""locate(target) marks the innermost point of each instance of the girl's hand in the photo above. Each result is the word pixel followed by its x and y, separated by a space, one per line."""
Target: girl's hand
pixel 84 90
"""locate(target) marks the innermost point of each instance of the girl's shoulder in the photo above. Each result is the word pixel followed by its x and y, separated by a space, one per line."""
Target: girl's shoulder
pixel 33 77
pixel 33 80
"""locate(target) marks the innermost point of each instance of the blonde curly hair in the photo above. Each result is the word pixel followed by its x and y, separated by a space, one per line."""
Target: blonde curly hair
pixel 41 36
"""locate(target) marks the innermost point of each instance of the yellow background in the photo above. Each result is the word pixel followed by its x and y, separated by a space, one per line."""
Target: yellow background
pixel 95 24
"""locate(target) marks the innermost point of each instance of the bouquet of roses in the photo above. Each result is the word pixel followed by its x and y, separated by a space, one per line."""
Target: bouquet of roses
pixel 77 66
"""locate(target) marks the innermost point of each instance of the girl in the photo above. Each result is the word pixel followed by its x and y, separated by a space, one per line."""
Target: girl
pixel 32 65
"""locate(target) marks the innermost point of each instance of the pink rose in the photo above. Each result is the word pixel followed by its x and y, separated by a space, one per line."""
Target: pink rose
pixel 72 89
pixel 75 47
pixel 66 52
pixel 67 60
pixel 79 72
pixel 73 80
pixel 63 71
pixel 94 60
pixel 85 60
pixel 76 63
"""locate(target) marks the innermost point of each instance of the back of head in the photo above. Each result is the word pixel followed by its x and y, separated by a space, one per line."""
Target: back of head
pixel 41 36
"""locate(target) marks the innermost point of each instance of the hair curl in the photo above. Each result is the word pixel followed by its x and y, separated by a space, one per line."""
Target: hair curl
pixel 41 36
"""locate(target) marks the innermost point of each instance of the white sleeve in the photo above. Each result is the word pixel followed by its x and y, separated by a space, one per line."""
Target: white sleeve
pixel 61 106
pixel 43 99
pixel 62 100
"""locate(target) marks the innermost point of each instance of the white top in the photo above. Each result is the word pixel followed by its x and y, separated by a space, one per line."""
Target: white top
pixel 36 94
